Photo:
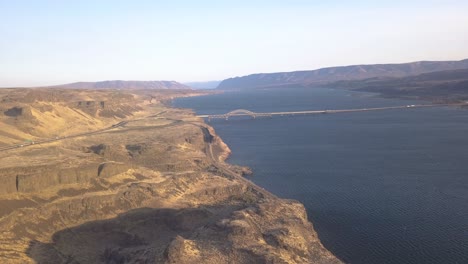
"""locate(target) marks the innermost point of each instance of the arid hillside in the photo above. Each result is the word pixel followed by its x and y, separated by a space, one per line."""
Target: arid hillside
pixel 112 176
pixel 441 85
pixel 342 73
pixel 29 114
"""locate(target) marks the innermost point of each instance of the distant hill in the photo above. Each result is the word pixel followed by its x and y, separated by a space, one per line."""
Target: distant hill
pixel 332 74
pixel 131 85
pixel 451 84
pixel 203 85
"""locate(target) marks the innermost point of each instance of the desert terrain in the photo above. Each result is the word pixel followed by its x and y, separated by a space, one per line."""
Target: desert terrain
pixel 118 176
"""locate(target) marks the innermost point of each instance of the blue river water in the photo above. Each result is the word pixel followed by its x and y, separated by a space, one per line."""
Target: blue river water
pixel 386 186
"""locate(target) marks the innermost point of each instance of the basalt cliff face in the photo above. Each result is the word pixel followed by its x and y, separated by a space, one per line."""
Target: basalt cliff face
pixel 117 177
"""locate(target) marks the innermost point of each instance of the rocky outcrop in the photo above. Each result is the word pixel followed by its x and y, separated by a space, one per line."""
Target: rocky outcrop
pixel 106 109
pixel 38 178
pixel 90 107
pixel 267 232
pixel 220 149
pixel 80 174
pixel 110 169
pixel 9 182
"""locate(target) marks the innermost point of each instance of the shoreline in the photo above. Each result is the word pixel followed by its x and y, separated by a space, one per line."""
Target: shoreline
pixel 221 160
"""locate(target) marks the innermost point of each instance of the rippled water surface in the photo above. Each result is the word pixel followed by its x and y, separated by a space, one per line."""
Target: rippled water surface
pixel 380 187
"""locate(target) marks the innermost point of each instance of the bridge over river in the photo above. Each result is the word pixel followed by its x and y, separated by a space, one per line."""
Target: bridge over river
pixel 243 112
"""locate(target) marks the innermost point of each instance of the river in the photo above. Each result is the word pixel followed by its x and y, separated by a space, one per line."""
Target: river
pixel 388 186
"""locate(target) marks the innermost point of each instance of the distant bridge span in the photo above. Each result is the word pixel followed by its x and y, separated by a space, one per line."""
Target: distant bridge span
pixel 243 112
pixel 239 112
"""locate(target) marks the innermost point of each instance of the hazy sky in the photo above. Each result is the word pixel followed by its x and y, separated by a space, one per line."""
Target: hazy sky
pixel 51 42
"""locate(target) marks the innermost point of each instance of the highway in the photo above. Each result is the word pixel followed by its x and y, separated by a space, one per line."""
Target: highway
pixel 49 140
pixel 223 167
pixel 235 113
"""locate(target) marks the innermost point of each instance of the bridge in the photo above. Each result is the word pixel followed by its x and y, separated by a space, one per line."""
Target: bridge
pixel 238 112
pixel 243 112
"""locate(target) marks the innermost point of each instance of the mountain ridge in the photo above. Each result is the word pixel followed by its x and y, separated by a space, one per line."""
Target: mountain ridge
pixel 339 73
pixel 450 84
pixel 121 84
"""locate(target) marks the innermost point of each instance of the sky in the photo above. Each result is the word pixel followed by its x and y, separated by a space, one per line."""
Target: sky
pixel 46 42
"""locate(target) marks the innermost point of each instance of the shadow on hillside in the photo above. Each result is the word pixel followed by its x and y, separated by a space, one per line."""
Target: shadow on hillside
pixel 140 235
